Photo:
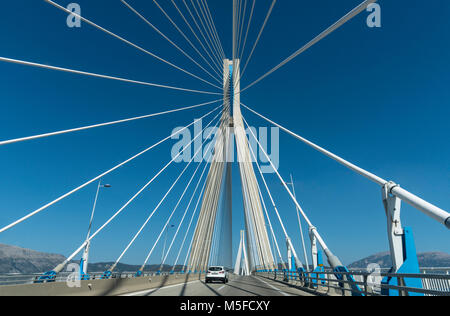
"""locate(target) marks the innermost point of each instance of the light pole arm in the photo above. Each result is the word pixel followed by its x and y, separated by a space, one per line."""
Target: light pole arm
pixel 93 209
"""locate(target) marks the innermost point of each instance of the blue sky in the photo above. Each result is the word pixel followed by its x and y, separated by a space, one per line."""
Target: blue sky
pixel 377 97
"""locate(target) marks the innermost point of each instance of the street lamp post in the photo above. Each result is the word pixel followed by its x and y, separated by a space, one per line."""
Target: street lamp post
pixel 299 223
pixel 164 247
pixel 85 257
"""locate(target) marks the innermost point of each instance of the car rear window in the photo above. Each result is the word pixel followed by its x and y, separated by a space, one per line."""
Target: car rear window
pixel 215 269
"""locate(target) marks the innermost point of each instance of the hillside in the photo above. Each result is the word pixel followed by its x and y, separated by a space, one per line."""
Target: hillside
pixel 426 260
pixel 20 260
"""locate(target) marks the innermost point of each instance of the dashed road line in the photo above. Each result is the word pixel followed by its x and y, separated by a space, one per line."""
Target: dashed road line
pixel 273 287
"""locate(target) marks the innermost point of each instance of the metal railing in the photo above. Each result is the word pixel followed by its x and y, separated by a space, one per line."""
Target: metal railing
pixel 361 283
pixel 16 279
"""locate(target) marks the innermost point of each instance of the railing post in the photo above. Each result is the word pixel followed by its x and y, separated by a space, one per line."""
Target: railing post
pixel 366 290
pixel 401 242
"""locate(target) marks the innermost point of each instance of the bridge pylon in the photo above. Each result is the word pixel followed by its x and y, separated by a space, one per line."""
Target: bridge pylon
pixel 219 185
pixel 241 267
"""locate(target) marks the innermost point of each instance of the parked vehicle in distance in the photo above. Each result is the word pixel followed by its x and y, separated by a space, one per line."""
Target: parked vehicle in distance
pixel 216 274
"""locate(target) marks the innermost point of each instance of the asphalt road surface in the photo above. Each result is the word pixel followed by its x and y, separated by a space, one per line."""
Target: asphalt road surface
pixel 237 286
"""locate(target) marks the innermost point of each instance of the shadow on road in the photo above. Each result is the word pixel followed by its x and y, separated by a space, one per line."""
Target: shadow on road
pixel 183 290
pixel 292 286
pixel 163 283
pixel 244 290
pixel 211 289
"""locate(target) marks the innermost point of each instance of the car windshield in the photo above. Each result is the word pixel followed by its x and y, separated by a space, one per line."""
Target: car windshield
pixel 215 269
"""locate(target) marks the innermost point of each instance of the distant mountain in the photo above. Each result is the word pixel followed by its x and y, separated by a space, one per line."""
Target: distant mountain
pixel 20 260
pixel 426 260
pixel 26 261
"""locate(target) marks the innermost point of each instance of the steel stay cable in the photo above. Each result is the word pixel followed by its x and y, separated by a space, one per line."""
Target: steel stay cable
pixel 208 41
pixel 62 265
pixel 205 3
pixel 241 28
pixel 178 203
pixel 207 28
pixel 202 9
pixel 248 28
pixel 184 215
pixel 269 221
pixel 319 238
pixel 427 208
pixel 318 38
pixel 16 140
pixel 257 40
pixel 42 208
pixel 189 204
pixel 185 37
pixel 217 60
pixel 165 196
pixel 272 201
pixel 167 38
pixel 198 39
pixel 189 226
pixel 91 74
pixel 129 43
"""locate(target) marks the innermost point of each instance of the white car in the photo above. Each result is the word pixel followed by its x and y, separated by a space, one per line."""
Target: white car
pixel 216 274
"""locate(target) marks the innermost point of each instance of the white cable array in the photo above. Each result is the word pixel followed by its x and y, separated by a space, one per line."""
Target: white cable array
pixel 129 43
pixel 185 37
pixel 428 209
pixel 288 239
pixel 248 28
pixel 217 58
pixel 42 208
pixel 255 213
pixel 17 140
pixel 171 215
pixel 213 24
pixel 187 230
pixel 209 28
pixel 189 254
pixel 168 192
pixel 185 213
pixel 319 37
pixel 205 224
pixel 241 27
pixel 342 161
pixel 234 30
pixel 274 239
pixel 319 238
pixel 273 205
pixel 189 204
pixel 269 12
pixel 205 34
pixel 300 227
pixel 208 31
pixel 91 74
pixel 61 266
pixel 168 39
pixel 216 46
pixel 218 68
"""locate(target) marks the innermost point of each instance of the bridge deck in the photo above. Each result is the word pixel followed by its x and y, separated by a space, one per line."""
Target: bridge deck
pixel 237 286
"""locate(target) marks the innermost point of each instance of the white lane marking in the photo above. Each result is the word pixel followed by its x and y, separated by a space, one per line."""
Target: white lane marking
pixel 157 289
pixel 273 287
pixel 221 287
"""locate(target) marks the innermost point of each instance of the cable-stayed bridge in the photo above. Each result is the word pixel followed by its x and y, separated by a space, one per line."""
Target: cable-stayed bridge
pixel 259 267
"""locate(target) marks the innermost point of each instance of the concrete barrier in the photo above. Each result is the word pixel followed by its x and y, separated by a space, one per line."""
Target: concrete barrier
pixel 109 287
